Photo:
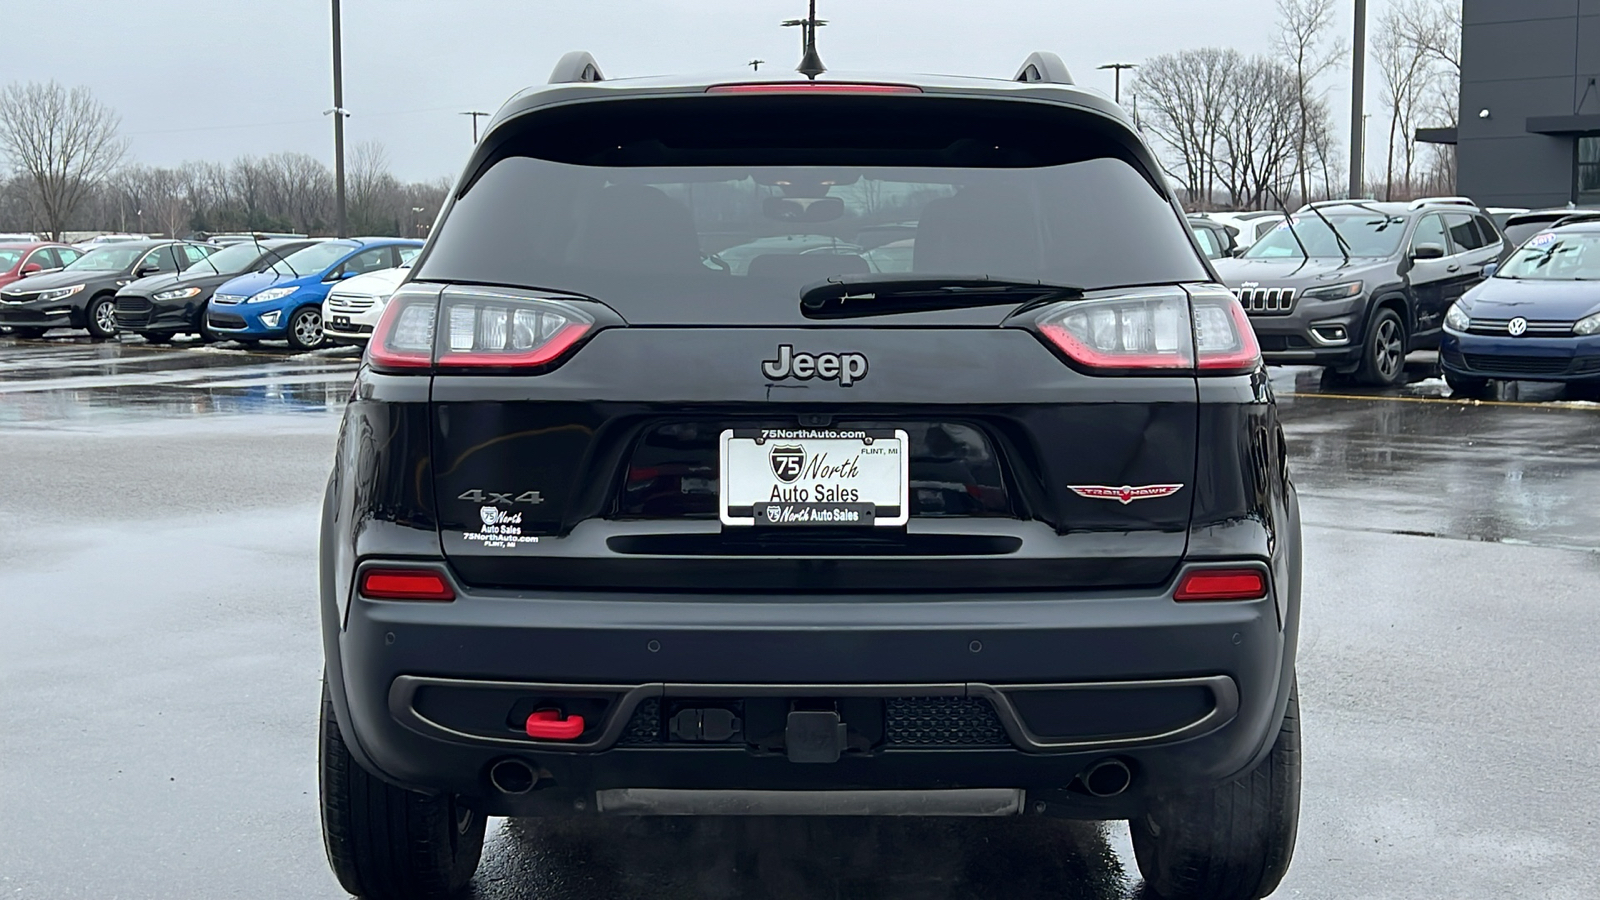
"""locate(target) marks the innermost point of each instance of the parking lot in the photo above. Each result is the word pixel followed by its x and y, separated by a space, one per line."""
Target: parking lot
pixel 160 659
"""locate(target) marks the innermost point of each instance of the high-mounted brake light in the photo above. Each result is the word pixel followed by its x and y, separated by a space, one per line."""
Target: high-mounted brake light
pixel 1222 584
pixel 813 87
pixel 405 584
pixel 475 328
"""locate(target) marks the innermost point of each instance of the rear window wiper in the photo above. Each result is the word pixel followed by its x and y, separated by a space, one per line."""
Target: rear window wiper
pixel 857 296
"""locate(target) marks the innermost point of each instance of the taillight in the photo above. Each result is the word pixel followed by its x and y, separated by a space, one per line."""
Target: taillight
pixel 1140 330
pixel 1223 339
pixel 405 584
pixel 475 328
pixel 1222 584
pixel 1158 330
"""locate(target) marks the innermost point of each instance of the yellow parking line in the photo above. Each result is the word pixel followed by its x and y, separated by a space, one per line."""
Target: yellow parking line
pixel 1526 404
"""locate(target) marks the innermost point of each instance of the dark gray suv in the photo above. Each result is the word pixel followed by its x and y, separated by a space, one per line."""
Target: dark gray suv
pixel 1355 286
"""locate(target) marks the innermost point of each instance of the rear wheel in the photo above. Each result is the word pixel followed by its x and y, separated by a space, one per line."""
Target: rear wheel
pixel 1233 842
pixel 1465 385
pixel 305 329
pixel 1383 357
pixel 101 317
pixel 386 843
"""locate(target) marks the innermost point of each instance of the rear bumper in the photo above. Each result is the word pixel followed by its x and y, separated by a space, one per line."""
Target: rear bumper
pixel 429 694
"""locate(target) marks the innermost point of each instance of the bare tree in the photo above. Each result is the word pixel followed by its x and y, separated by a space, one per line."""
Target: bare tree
pixel 1302 25
pixel 1406 73
pixel 1182 94
pixel 65 142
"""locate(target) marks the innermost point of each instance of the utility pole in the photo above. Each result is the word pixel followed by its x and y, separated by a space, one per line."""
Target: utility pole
pixel 338 123
pixel 755 64
pixel 1358 90
pixel 808 28
pixel 1118 68
pixel 475 117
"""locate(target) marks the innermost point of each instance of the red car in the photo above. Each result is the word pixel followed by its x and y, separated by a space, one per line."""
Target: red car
pixel 21 260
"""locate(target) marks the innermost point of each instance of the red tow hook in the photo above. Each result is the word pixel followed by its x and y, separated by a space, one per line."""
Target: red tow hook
pixel 547 725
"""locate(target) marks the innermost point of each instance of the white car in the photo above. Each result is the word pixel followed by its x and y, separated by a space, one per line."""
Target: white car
pixel 1252 225
pixel 353 306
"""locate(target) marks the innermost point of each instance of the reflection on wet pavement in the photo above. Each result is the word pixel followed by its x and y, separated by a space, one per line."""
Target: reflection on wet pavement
pixel 779 859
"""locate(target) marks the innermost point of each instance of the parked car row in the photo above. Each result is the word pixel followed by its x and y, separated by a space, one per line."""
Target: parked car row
pixel 247 291
pixel 1354 286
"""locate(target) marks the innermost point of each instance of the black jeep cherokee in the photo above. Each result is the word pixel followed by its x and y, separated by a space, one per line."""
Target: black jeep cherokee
pixel 1355 286
pixel 1000 526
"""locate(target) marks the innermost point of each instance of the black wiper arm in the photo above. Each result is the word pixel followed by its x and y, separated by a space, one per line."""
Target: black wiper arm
pixel 857 296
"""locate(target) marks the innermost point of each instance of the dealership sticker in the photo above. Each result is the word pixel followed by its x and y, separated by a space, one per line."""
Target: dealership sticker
pixel 500 529
pixel 1543 240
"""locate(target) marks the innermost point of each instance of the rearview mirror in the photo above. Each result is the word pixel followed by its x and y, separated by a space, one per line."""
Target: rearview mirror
pixel 147 269
pixel 31 269
pixel 803 209
pixel 1490 269
pixel 1427 251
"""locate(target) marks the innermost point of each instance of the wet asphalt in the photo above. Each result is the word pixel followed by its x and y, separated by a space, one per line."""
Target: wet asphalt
pixel 159 659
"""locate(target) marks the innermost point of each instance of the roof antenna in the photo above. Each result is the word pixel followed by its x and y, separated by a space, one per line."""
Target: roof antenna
pixel 810 62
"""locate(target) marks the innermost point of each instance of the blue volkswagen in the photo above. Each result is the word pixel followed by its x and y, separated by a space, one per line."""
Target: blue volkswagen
pixel 285 301
pixel 1537 319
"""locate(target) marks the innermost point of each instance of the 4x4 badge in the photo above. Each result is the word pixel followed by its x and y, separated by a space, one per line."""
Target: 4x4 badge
pixel 1127 493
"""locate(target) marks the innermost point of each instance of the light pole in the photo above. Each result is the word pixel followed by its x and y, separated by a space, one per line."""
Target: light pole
pixel 1358 90
pixel 755 64
pixel 475 117
pixel 339 114
pixel 1118 68
pixel 416 221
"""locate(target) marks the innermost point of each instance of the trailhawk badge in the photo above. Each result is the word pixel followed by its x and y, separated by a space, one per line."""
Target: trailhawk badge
pixel 1125 494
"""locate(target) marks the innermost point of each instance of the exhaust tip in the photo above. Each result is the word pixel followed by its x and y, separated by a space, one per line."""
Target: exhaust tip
pixel 512 776
pixel 1106 778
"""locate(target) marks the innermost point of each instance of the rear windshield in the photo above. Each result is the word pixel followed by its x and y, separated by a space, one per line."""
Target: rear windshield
pixel 1518 232
pixel 749 202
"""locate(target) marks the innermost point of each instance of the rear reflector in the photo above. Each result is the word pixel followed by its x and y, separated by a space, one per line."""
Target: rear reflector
pixel 405 584
pixel 812 87
pixel 1222 584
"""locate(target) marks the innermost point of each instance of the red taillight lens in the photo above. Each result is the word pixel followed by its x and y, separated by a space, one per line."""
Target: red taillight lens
pixel 403 338
pixel 425 327
pixel 1223 338
pixel 813 87
pixel 405 584
pixel 1222 584
pixel 1143 330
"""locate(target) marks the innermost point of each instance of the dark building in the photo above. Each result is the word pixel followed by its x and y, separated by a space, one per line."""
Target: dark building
pixel 1530 104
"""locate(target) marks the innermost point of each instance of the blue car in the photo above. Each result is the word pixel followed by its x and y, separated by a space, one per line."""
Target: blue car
pixel 285 301
pixel 1537 319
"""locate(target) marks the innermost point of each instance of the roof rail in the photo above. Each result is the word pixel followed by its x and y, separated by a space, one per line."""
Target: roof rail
pixel 577 66
pixel 1043 67
pixel 1420 202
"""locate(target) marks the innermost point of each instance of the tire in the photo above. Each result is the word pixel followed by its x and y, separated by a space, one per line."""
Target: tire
pixel 100 317
pixel 29 334
pixel 1230 843
pixel 387 843
pixel 1465 385
pixel 1383 352
pixel 203 331
pixel 305 329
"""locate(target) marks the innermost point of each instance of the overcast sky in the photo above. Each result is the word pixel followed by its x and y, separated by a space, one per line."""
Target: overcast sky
pixel 212 80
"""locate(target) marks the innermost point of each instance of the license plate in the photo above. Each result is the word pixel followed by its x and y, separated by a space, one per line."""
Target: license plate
pixel 814 477
pixel 341 320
